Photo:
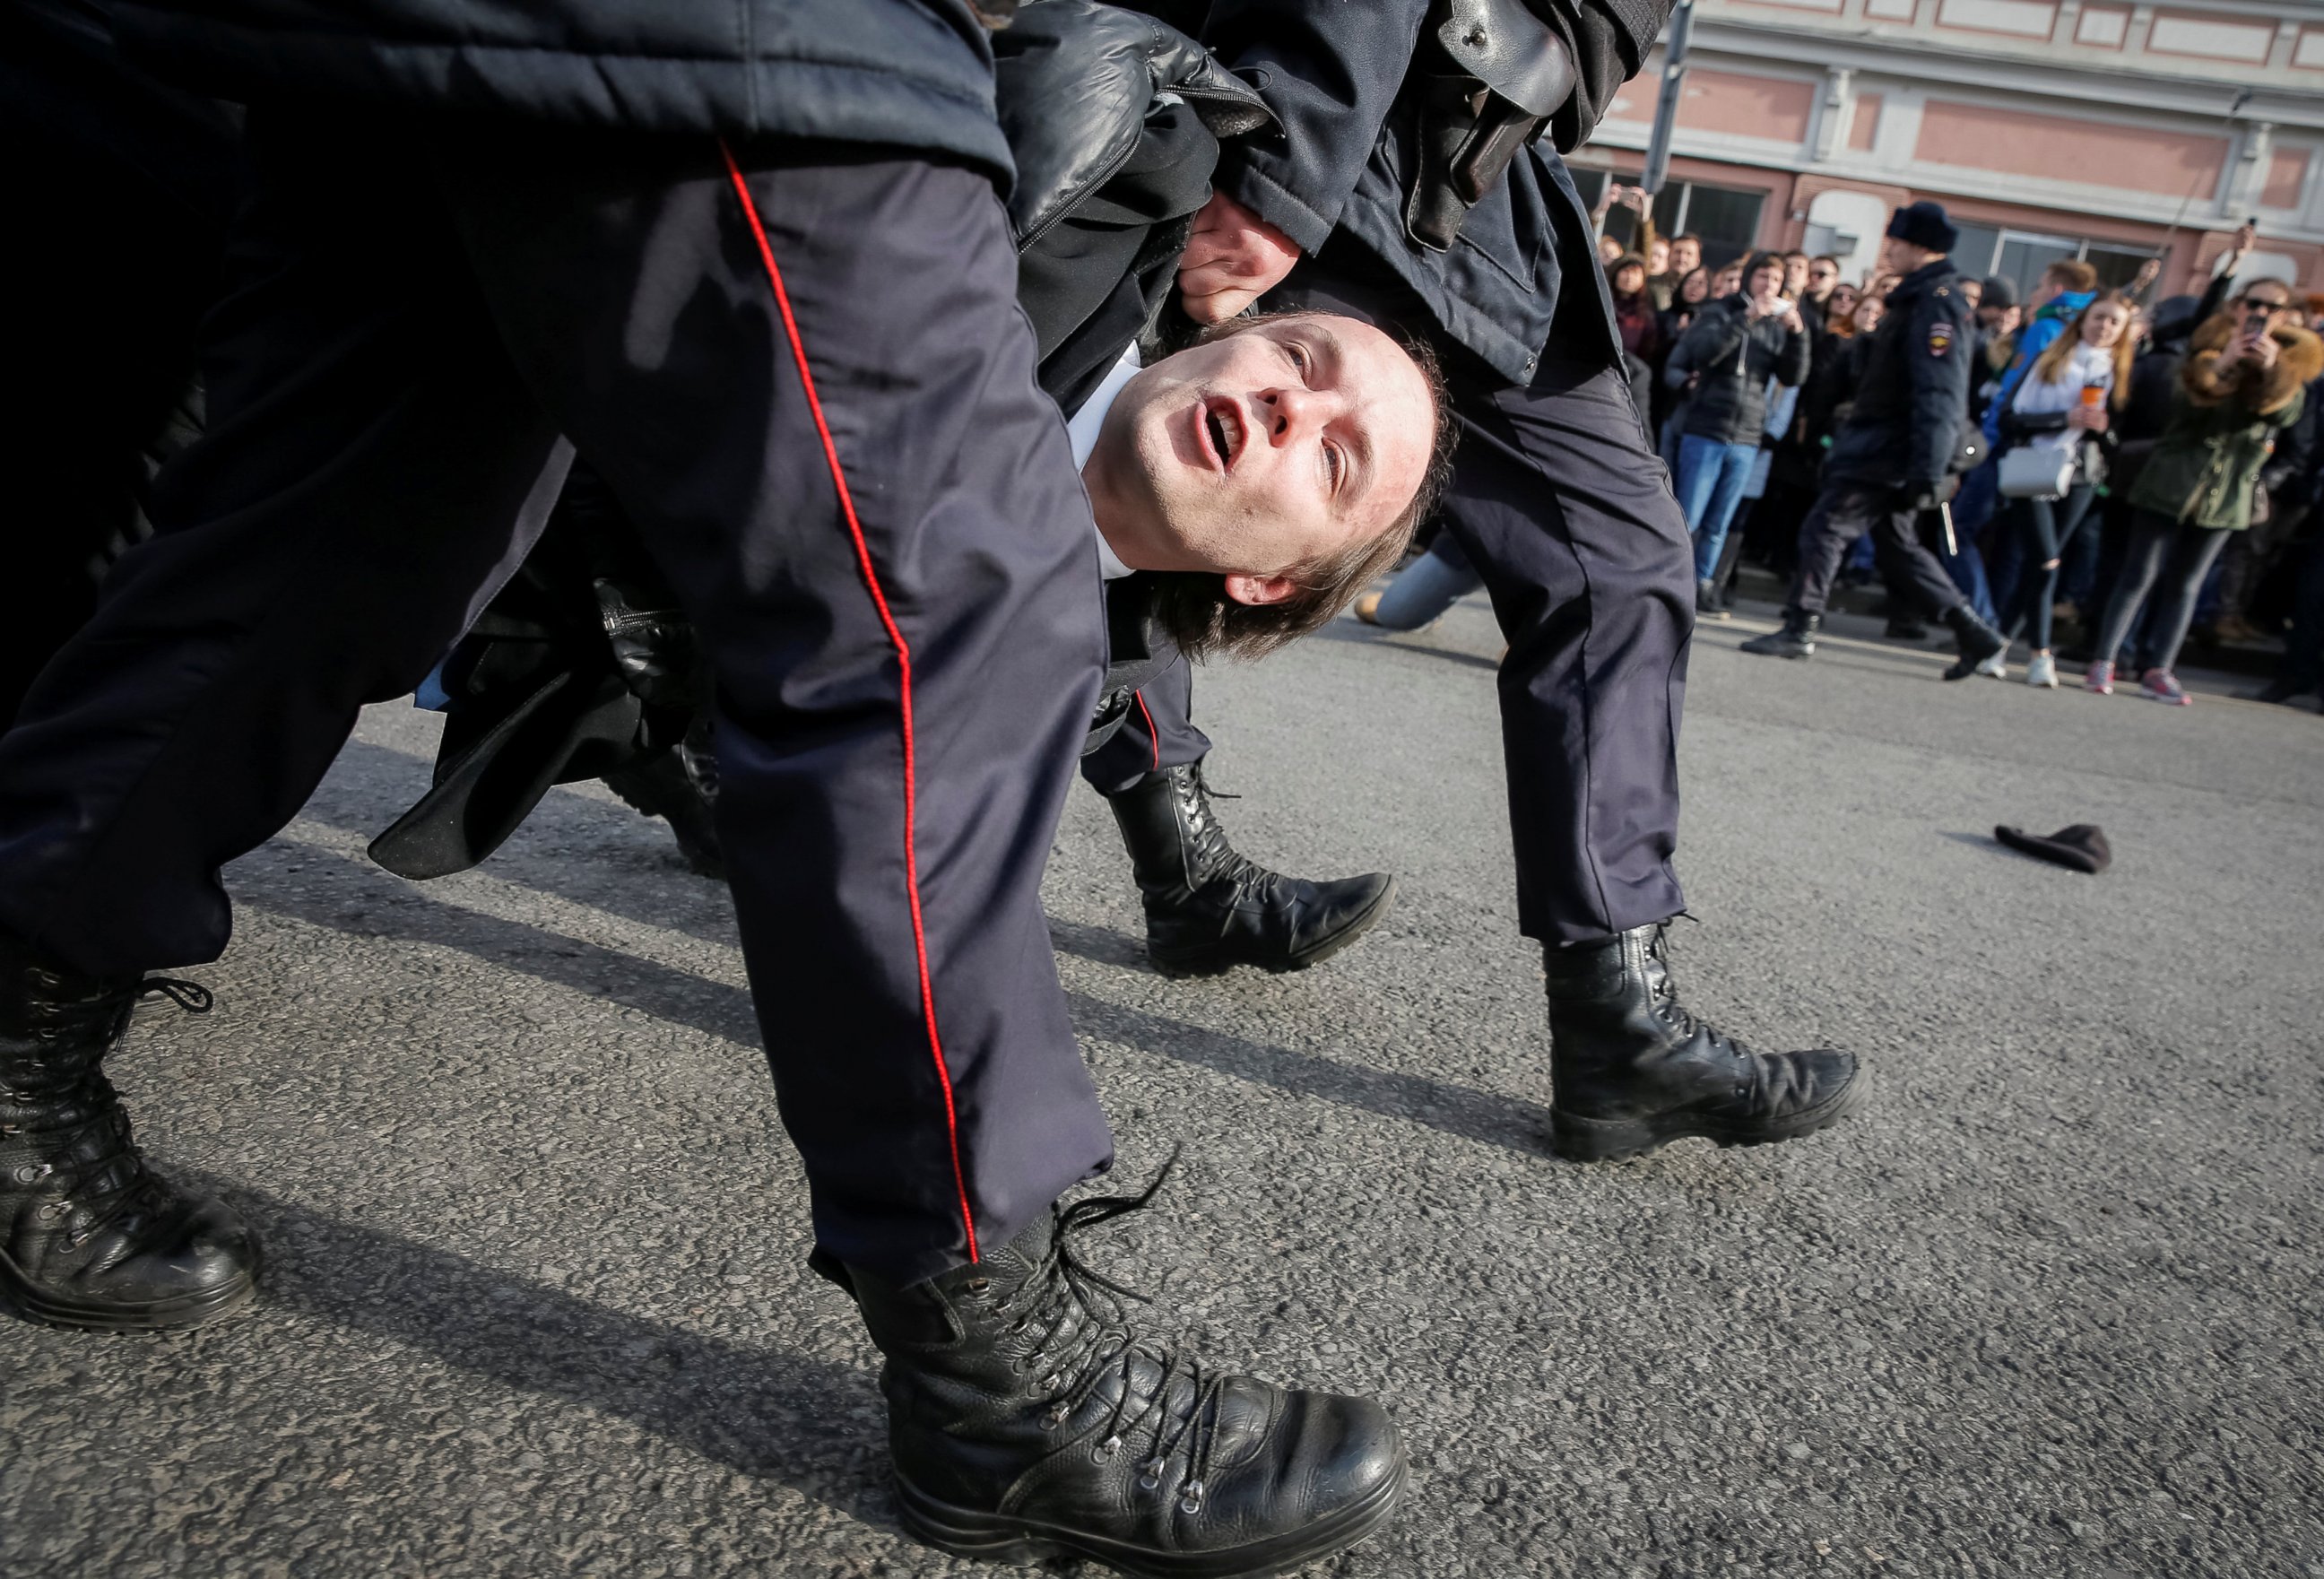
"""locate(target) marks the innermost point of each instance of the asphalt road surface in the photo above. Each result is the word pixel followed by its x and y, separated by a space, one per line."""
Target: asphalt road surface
pixel 536 1301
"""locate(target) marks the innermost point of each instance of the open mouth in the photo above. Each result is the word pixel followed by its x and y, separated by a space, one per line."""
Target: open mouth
pixel 1222 431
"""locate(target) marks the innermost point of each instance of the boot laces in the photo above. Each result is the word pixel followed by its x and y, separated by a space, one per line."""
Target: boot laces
pixel 1664 988
pixel 1210 857
pixel 1086 1340
pixel 109 1181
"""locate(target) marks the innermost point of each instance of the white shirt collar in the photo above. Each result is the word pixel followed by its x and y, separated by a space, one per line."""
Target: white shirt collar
pixel 1082 430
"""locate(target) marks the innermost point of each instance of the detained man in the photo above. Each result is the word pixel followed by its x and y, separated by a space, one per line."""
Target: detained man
pixel 1243 490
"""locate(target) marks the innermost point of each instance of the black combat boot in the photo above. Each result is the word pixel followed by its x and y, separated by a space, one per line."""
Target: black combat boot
pixel 1708 603
pixel 1026 1421
pixel 1973 640
pixel 90 1236
pixel 1633 1070
pixel 1208 908
pixel 1795 640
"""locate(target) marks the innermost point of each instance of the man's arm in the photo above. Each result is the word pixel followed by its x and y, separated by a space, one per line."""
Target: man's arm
pixel 1329 70
pixel 1716 333
pixel 1936 352
pixel 2215 294
pixel 1608 40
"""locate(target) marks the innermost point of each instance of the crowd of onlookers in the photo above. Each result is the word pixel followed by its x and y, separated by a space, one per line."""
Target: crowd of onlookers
pixel 2143 472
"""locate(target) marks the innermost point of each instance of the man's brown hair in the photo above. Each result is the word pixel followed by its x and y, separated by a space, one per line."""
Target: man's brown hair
pixel 1193 605
pixel 2071 275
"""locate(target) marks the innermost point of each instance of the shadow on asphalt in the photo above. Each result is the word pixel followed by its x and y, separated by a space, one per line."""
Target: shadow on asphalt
pixel 1487 1116
pixel 395 909
pixel 1365 636
pixel 804 1422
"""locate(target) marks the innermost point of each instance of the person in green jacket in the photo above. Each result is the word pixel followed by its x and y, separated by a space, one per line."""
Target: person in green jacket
pixel 2244 378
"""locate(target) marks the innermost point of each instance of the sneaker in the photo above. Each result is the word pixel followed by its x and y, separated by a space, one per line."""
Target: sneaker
pixel 2042 669
pixel 1995 667
pixel 2098 679
pixel 2161 686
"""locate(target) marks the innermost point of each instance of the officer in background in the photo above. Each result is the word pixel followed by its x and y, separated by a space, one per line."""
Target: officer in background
pixel 759 275
pixel 1899 450
pixel 1417 182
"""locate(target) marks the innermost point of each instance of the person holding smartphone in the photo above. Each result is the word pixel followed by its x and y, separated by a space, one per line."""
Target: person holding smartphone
pixel 2244 381
pixel 1734 347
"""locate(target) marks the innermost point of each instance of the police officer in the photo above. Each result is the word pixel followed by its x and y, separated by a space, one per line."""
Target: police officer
pixel 753 264
pixel 1417 182
pixel 1897 453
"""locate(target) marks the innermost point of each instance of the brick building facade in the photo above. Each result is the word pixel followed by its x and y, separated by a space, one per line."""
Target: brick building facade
pixel 2047 128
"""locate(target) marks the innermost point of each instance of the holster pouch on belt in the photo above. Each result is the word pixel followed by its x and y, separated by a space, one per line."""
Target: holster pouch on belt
pixel 1508 73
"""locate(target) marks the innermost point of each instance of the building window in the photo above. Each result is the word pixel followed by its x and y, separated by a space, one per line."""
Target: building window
pixel 1726 217
pixel 2019 256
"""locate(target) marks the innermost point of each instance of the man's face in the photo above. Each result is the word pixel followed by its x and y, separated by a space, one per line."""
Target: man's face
pixel 1262 452
pixel 1823 279
pixel 1901 257
pixel 1765 282
pixel 1795 276
pixel 2046 291
pixel 1973 292
pixel 1685 253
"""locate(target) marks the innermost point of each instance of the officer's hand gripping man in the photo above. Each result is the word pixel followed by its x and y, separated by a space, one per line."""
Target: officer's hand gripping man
pixel 1417 182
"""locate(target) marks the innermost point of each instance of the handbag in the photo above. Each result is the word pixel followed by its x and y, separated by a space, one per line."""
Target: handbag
pixel 2033 471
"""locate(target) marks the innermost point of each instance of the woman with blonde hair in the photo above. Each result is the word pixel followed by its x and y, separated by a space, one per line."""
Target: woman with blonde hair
pixel 2060 408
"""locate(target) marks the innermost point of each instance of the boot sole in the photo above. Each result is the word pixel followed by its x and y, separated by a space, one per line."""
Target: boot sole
pixel 1581 1140
pixel 999 1538
pixel 1316 952
pixel 162 1316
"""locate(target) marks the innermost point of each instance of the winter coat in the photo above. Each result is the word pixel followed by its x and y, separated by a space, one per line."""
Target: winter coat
pixel 1731 356
pixel 1911 407
pixel 907 74
pixel 2223 424
pixel 1346 80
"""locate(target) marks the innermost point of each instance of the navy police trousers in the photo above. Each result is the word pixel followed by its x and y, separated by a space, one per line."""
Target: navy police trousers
pixel 1560 503
pixel 806 377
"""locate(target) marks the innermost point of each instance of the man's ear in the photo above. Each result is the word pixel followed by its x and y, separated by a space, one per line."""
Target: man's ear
pixel 1259 590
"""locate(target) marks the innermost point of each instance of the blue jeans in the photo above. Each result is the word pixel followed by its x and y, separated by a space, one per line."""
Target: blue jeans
pixel 1427 586
pixel 1710 478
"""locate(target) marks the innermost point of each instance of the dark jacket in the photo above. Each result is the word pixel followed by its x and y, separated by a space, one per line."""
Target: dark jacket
pixel 1731 356
pixel 2223 426
pixel 1912 394
pixel 1345 77
pixel 911 74
pixel 583 662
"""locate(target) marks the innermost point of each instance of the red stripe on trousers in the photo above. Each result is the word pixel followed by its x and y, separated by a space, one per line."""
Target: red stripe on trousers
pixel 904 671
pixel 1152 733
